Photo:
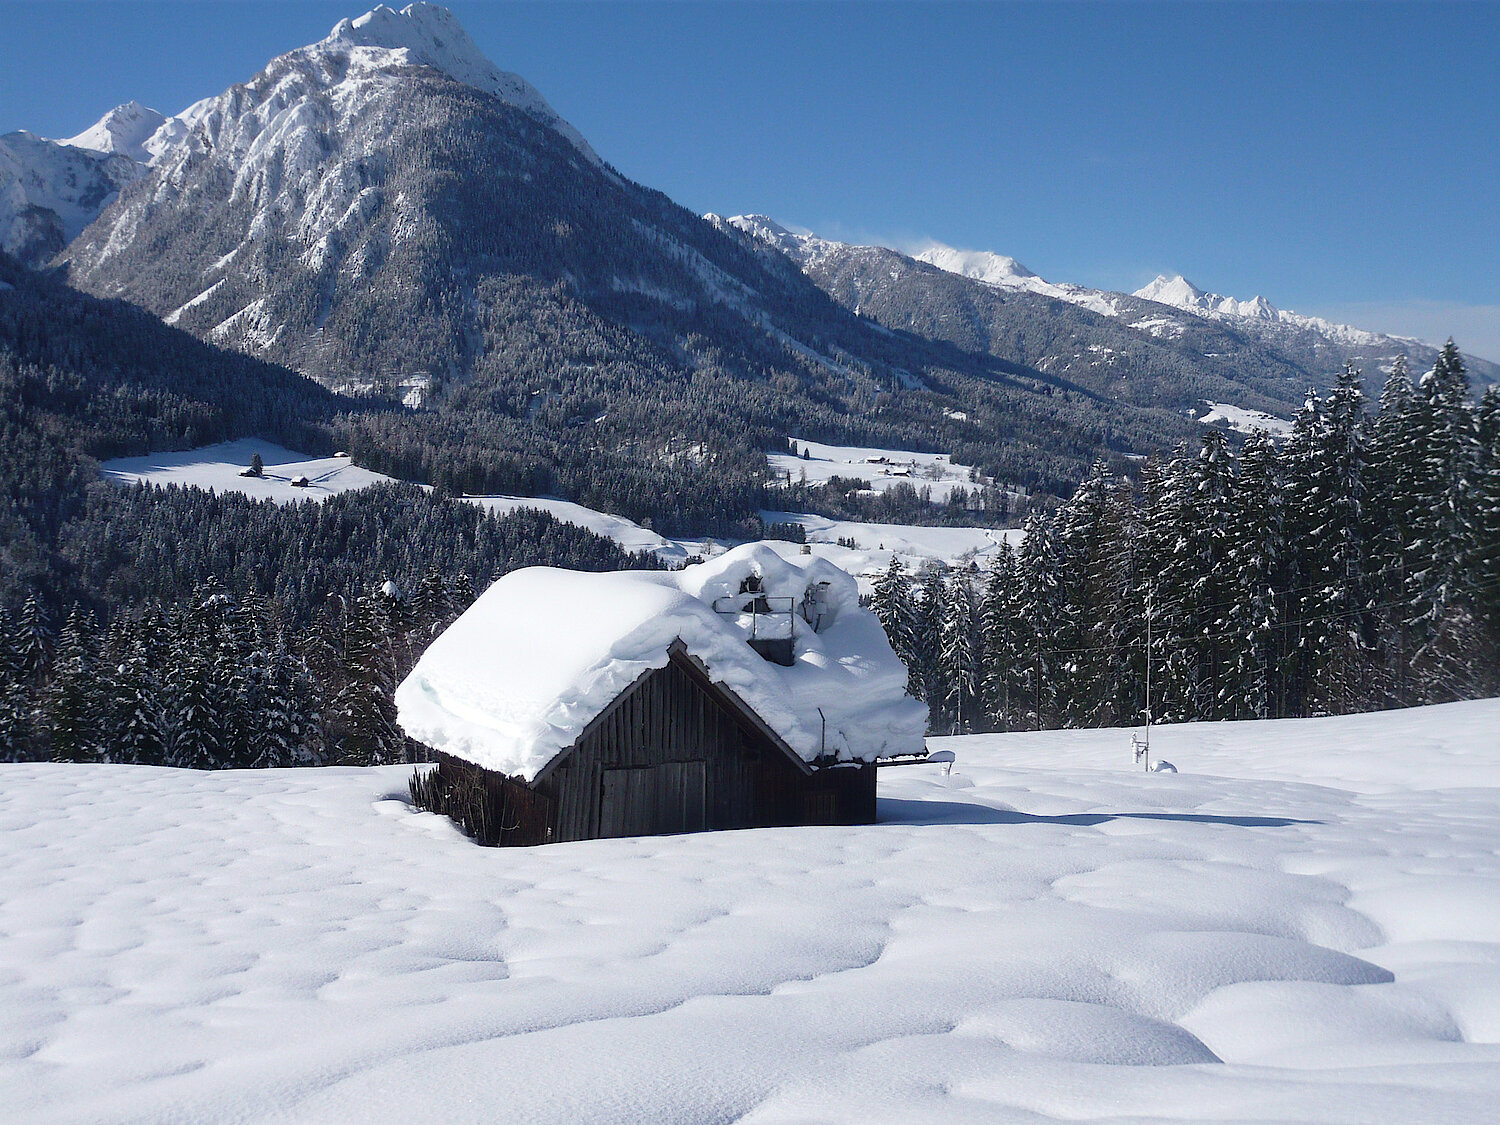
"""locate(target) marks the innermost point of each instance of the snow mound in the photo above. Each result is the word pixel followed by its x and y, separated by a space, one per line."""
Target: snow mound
pixel 518 677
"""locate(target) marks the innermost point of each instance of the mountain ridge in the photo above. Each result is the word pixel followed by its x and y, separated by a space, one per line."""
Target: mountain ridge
pixel 1313 344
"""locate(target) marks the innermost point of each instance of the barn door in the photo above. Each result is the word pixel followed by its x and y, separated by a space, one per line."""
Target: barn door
pixel 653 800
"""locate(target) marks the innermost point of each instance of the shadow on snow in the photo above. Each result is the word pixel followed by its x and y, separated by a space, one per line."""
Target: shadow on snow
pixel 901 810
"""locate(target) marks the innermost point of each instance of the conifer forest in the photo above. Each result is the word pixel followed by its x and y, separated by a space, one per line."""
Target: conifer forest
pixel 1353 567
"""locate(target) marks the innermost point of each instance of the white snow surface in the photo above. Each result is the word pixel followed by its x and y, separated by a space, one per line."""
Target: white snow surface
pixel 1246 420
pixel 880 469
pixel 1048 934
pixel 124 129
pixel 218 467
pixel 518 677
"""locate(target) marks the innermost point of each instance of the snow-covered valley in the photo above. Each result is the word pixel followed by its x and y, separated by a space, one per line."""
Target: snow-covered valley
pixel 1301 925
pixel 219 467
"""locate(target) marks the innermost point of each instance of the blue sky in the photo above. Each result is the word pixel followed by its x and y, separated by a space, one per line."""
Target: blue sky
pixel 1341 159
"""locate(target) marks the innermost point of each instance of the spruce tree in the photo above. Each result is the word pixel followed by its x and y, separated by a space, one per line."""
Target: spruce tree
pixel 960 655
pixel 1041 614
pixel 72 702
pixel 1337 608
pixel 33 638
pixel 1483 562
pixel 138 728
pixel 365 707
pixel 891 602
pixel 931 613
pixel 1092 550
pixel 1256 559
pixel 1002 628
pixel 1439 588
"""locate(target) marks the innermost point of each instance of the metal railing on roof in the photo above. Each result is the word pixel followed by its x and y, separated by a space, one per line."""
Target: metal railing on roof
pixel 758 605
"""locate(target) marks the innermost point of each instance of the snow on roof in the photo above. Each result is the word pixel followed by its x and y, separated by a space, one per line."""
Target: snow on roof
pixel 518 677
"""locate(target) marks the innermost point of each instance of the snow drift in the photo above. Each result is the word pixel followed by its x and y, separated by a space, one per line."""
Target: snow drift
pixel 1300 927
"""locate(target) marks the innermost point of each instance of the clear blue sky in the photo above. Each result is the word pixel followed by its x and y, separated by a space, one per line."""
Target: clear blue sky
pixel 1341 159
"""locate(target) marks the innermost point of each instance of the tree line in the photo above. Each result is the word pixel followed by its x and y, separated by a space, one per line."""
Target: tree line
pixel 1353 566
pixel 201 662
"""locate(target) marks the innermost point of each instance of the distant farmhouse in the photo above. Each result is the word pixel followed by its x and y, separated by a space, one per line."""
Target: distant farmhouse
pixel 748 691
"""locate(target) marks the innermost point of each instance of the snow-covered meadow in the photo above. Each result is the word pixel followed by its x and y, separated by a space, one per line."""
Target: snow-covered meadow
pixel 1301 925
pixel 1245 420
pixel 218 467
pixel 880 469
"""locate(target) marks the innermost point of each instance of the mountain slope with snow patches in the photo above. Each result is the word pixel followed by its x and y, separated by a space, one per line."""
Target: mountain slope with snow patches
pixel 1300 926
pixel 50 191
pixel 1181 293
pixel 1248 342
pixel 386 209
pixel 1115 344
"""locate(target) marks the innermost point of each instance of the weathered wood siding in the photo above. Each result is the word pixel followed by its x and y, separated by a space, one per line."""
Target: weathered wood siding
pixel 667 757
pixel 671 754
pixel 492 808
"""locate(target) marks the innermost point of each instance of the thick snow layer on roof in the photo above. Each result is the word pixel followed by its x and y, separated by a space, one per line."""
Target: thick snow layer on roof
pixel 518 677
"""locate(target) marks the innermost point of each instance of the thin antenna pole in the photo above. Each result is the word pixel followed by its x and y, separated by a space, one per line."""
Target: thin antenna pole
pixel 1148 679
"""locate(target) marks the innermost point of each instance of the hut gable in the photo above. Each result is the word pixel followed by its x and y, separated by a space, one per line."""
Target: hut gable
pixel 539 661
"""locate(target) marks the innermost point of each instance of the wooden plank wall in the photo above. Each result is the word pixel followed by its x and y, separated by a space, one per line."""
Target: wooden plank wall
pixel 665 719
pixel 668 750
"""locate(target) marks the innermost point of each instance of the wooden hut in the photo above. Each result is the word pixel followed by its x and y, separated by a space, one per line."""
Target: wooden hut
pixel 745 692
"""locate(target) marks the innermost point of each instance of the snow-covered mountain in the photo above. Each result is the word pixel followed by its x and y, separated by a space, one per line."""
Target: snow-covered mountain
pixel 1007 273
pixel 1181 293
pixel 126 129
pixel 357 53
pixel 302 154
pixel 386 209
pixel 1285 345
pixel 50 191
pixel 1114 344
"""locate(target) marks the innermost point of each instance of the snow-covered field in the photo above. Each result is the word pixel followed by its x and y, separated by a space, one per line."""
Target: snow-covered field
pixel 875 543
pixel 218 467
pixel 881 469
pixel 1245 420
pixel 1302 925
pixel 627 533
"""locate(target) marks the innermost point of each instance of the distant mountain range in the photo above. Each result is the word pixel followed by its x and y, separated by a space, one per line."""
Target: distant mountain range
pixel 385 210
pixel 1257 338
